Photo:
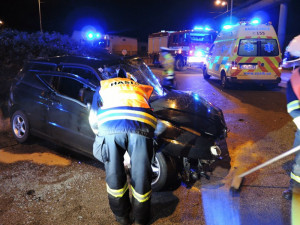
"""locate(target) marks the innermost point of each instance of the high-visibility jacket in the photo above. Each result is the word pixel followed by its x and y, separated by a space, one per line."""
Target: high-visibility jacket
pixel 125 108
pixel 168 64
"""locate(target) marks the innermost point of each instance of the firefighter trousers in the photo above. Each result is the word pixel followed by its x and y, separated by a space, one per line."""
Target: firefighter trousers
pixel 140 149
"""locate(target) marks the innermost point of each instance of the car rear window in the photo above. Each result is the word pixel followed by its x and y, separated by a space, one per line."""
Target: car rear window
pixel 258 47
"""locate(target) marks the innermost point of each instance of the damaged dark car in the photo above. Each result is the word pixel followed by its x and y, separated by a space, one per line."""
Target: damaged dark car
pixel 51 98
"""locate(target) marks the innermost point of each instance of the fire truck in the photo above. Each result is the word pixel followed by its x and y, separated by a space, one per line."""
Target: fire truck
pixel 189 47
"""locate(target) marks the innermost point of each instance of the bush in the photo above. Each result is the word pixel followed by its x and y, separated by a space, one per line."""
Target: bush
pixel 16 47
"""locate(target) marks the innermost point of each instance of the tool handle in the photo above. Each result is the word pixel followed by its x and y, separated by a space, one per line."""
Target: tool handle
pixel 289 152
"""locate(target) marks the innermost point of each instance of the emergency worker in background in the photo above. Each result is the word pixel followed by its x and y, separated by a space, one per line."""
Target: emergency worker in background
pixel 293 108
pixel 168 66
pixel 123 121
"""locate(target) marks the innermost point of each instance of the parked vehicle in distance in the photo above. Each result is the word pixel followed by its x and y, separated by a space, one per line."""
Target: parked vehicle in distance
pixel 189 47
pixel 247 52
pixel 51 98
pixel 114 44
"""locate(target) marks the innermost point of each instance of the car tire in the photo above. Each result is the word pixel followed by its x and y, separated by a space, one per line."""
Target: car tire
pixel 224 81
pixel 205 74
pixel 20 126
pixel 159 171
pixel 179 64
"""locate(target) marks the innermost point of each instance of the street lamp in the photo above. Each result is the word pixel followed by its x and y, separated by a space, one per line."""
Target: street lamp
pixel 1 24
pixel 223 3
pixel 40 14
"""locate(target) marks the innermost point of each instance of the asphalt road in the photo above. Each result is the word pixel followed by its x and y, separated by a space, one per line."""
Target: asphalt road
pixel 260 129
pixel 45 184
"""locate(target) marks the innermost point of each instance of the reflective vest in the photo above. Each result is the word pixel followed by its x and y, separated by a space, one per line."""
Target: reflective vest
pixel 168 64
pixel 125 108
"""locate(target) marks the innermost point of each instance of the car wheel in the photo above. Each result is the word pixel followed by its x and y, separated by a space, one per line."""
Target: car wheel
pixel 224 81
pixel 159 172
pixel 20 126
pixel 205 74
pixel 179 65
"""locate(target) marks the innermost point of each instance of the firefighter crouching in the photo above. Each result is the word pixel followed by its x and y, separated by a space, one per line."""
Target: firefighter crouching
pixel 293 107
pixel 168 67
pixel 125 122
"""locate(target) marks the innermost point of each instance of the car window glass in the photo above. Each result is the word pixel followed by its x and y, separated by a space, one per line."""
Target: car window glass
pixel 69 87
pixel 47 79
pixel 198 37
pixel 248 47
pixel 82 72
pixel 175 39
pixel 269 47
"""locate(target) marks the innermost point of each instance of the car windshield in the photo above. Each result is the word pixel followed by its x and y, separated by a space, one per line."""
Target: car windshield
pixel 140 72
pixel 200 38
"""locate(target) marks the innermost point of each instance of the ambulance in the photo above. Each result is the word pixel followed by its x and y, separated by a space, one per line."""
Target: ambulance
pixel 247 52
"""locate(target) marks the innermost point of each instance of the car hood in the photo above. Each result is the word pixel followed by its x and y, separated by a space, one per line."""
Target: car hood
pixel 189 110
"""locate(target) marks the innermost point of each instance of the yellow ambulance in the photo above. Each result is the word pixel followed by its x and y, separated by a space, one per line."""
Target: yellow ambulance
pixel 247 52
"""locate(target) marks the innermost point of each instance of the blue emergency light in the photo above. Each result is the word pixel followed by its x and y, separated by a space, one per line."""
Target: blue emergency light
pixel 255 21
pixel 227 27
pixel 198 28
pixel 91 35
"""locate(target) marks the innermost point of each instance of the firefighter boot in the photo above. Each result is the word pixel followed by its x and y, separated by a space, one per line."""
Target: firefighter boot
pixel 288 194
pixel 294 188
pixel 123 220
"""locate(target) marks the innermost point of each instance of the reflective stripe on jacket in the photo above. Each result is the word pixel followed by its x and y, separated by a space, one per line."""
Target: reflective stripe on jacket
pixel 125 108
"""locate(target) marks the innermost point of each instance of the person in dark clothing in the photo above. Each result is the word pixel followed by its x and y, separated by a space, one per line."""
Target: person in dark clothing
pixel 122 120
pixel 293 108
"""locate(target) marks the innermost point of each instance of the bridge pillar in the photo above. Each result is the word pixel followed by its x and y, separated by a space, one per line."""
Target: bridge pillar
pixel 282 24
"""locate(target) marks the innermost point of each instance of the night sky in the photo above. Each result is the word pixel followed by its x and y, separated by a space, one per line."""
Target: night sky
pixel 124 17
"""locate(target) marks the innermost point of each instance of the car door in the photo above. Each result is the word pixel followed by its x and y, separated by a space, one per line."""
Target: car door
pixel 30 96
pixel 68 114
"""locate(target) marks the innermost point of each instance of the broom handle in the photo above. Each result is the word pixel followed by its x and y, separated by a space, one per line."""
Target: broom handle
pixel 289 152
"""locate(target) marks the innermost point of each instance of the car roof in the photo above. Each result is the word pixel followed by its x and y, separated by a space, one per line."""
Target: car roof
pixel 89 61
